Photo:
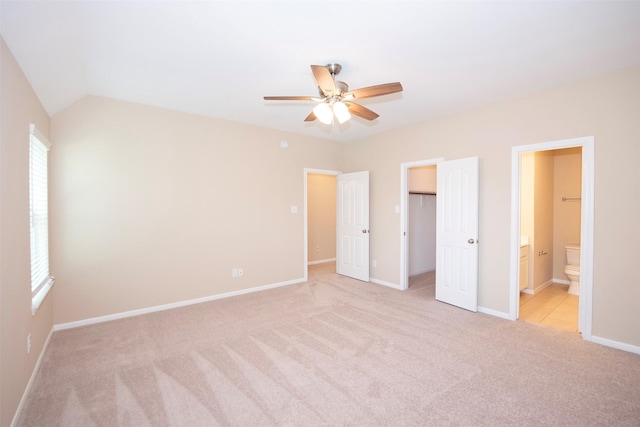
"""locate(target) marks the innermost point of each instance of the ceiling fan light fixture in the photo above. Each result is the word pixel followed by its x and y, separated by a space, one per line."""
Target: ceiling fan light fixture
pixel 336 99
pixel 323 113
pixel 341 111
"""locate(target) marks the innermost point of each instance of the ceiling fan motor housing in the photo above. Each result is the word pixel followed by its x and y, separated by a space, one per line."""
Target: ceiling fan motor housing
pixel 341 89
pixel 334 68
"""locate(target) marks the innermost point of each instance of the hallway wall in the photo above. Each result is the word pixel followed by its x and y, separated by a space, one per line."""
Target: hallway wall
pixel 321 221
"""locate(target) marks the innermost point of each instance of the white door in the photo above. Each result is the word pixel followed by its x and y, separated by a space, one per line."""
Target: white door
pixel 457 233
pixel 352 225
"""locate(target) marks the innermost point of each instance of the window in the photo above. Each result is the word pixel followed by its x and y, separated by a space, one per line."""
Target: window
pixel 41 280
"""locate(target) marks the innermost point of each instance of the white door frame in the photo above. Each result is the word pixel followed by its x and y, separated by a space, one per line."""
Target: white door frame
pixel 308 171
pixel 585 310
pixel 404 216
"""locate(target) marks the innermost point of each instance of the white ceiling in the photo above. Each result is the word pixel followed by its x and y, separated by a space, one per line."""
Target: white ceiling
pixel 219 58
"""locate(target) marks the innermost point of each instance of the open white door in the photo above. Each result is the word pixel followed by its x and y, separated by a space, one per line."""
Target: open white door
pixel 352 225
pixel 457 233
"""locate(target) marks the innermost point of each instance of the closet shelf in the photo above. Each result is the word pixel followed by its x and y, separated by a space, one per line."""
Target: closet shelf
pixel 423 193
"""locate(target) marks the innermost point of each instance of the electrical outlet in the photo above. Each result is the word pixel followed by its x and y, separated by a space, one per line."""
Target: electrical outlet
pixel 29 344
pixel 317 248
pixel 374 263
pixel 234 272
pixel 240 272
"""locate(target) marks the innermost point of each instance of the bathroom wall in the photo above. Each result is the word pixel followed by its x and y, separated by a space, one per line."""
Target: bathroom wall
pixel 566 215
pixel 527 181
pixel 542 249
pixel 321 217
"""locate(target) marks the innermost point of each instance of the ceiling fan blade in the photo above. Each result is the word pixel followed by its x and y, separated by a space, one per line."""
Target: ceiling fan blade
pixel 378 90
pixel 360 111
pixel 311 117
pixel 289 98
pixel 324 79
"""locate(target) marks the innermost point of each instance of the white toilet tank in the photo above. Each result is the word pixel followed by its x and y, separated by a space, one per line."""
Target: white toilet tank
pixel 573 254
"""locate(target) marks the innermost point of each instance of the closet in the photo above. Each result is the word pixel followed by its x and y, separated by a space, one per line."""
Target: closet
pixel 421 230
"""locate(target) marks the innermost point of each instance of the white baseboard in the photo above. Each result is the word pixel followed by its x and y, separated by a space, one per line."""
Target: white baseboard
pixel 544 285
pixel 616 344
pixel 492 312
pixel 27 389
pixel 538 288
pixel 116 316
pixel 421 271
pixel 383 283
pixel 321 261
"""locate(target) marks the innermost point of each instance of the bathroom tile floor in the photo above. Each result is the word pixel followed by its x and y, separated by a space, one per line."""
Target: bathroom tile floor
pixel 552 307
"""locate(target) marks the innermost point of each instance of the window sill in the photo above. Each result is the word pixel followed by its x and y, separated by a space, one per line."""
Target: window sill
pixel 39 297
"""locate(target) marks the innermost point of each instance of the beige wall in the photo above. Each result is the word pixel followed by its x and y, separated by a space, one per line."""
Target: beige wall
pixel 566 215
pixel 321 212
pixel 606 107
pixel 152 207
pixel 19 107
pixel 422 179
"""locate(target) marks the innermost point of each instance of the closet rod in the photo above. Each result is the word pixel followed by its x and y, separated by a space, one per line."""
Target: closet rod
pixel 566 199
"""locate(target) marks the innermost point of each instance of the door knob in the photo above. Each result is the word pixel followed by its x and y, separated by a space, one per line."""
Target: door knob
pixel 471 241
pixel 365 231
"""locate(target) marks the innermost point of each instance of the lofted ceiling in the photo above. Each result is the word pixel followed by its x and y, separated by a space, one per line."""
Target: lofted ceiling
pixel 219 58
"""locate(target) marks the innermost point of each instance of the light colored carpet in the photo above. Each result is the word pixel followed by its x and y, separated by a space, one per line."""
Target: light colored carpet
pixel 330 352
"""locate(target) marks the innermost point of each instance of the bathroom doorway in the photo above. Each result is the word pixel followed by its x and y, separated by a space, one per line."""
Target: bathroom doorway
pixel 552 208
pixel 550 188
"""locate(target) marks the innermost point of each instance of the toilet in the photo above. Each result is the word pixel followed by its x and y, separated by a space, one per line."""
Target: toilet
pixel 572 268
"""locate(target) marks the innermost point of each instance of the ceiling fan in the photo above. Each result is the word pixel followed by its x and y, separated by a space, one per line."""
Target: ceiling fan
pixel 335 97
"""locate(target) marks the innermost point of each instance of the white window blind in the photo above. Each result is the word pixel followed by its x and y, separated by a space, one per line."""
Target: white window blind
pixel 41 279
